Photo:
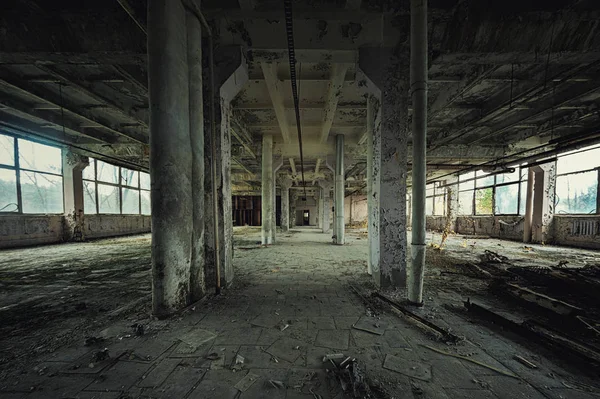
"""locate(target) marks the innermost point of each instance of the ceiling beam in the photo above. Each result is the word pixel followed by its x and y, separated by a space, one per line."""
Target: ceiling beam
pixel 139 20
pixel 303 105
pixel 75 58
pixel 87 89
pixel 305 55
pixel 58 103
pixel 338 74
pixel 270 73
pixel 293 166
pixel 317 167
pixel 242 136
pixel 517 57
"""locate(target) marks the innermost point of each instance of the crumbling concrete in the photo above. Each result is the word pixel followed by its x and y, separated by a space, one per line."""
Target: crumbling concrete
pixel 73 165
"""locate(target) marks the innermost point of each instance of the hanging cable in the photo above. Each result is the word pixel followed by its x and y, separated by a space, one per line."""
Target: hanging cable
pixel 289 28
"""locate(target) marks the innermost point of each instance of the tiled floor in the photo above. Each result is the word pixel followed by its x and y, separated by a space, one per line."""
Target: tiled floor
pixel 290 306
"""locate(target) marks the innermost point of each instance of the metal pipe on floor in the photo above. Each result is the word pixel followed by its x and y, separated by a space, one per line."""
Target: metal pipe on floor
pixel 418 87
pixel 339 190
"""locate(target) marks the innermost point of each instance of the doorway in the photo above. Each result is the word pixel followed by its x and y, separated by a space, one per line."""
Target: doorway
pixel 305 217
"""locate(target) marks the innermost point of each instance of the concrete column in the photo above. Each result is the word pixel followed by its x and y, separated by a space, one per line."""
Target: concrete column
pixel 267 221
pixel 231 75
pixel 320 208
pixel 340 186
pixel 418 89
pixel 293 206
pixel 285 204
pixel 326 186
pixel 73 165
pixel 543 202
pixel 373 185
pixel 170 156
pixel 194 55
pixel 528 220
pixel 386 72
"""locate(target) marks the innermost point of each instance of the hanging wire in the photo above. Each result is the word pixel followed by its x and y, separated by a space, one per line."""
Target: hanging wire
pixel 289 27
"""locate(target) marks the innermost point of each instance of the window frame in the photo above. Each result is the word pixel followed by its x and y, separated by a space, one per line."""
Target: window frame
pixel 18 169
pixel 588 170
pixel 120 186
pixel 493 186
pixel 434 196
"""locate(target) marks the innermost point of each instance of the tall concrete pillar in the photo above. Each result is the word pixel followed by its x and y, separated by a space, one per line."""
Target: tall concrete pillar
pixel 194 55
pixel 293 207
pixel 73 165
pixel 285 204
pixel 326 186
pixel 267 205
pixel 529 206
pixel 386 72
pixel 170 156
pixel 340 189
pixel 373 185
pixel 320 209
pixel 543 202
pixel 418 89
pixel 231 74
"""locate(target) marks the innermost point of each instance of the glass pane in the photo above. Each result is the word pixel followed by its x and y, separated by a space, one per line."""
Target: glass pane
pixel 429 190
pixel 89 171
pixel 465 203
pixel 484 181
pixel 131 201
pixel 108 199
pixel 129 178
pixel 508 177
pixel 578 161
pixel 41 193
pixel 483 201
pixel 469 185
pixel 144 181
pixel 107 173
pixel 507 198
pixel 577 193
pixel 7 150
pixel 145 199
pixel 8 191
pixel 467 176
pixel 89 197
pixel 439 205
pixel 523 204
pixel 40 157
pixel 429 206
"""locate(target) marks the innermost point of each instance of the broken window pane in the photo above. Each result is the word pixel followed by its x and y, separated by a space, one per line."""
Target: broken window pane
pixel 508 177
pixel 39 157
pixel 89 197
pixel 89 173
pixel 41 192
pixel 439 205
pixel 129 177
pixel 7 150
pixel 507 199
pixel 145 202
pixel 131 201
pixel 465 203
pixel 577 193
pixel 484 181
pixel 483 201
pixel 144 181
pixel 108 199
pixel 8 191
pixel 107 173
pixel 429 206
pixel 578 161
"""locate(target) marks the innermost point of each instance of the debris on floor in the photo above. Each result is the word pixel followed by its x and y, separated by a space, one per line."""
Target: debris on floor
pixel 246 382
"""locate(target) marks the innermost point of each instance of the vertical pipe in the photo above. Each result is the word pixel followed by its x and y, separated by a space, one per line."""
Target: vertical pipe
pixel 418 88
pixel 339 190
pixel 194 48
pixel 528 206
pixel 267 190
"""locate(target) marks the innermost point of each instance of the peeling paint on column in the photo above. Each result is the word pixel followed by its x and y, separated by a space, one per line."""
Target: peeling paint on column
pixel 373 182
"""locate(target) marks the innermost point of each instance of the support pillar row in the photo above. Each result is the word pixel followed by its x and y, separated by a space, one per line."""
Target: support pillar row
pixel 339 190
pixel 267 220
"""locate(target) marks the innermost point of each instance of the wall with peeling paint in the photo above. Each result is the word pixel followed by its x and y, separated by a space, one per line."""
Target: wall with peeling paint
pixel 577 231
pixel 355 209
pixel 27 230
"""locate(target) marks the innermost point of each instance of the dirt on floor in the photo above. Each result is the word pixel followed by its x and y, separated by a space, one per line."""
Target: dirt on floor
pixel 76 323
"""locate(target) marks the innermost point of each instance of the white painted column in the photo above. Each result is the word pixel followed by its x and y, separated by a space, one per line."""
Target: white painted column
pixel 267 205
pixel 339 190
pixel 373 163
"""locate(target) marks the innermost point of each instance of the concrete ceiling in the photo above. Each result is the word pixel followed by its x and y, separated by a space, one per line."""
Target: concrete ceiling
pixel 504 78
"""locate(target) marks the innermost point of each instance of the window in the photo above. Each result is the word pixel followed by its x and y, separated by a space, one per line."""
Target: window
pixel 435 201
pixel 112 189
pixel 30 177
pixel 500 194
pixel 577 182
